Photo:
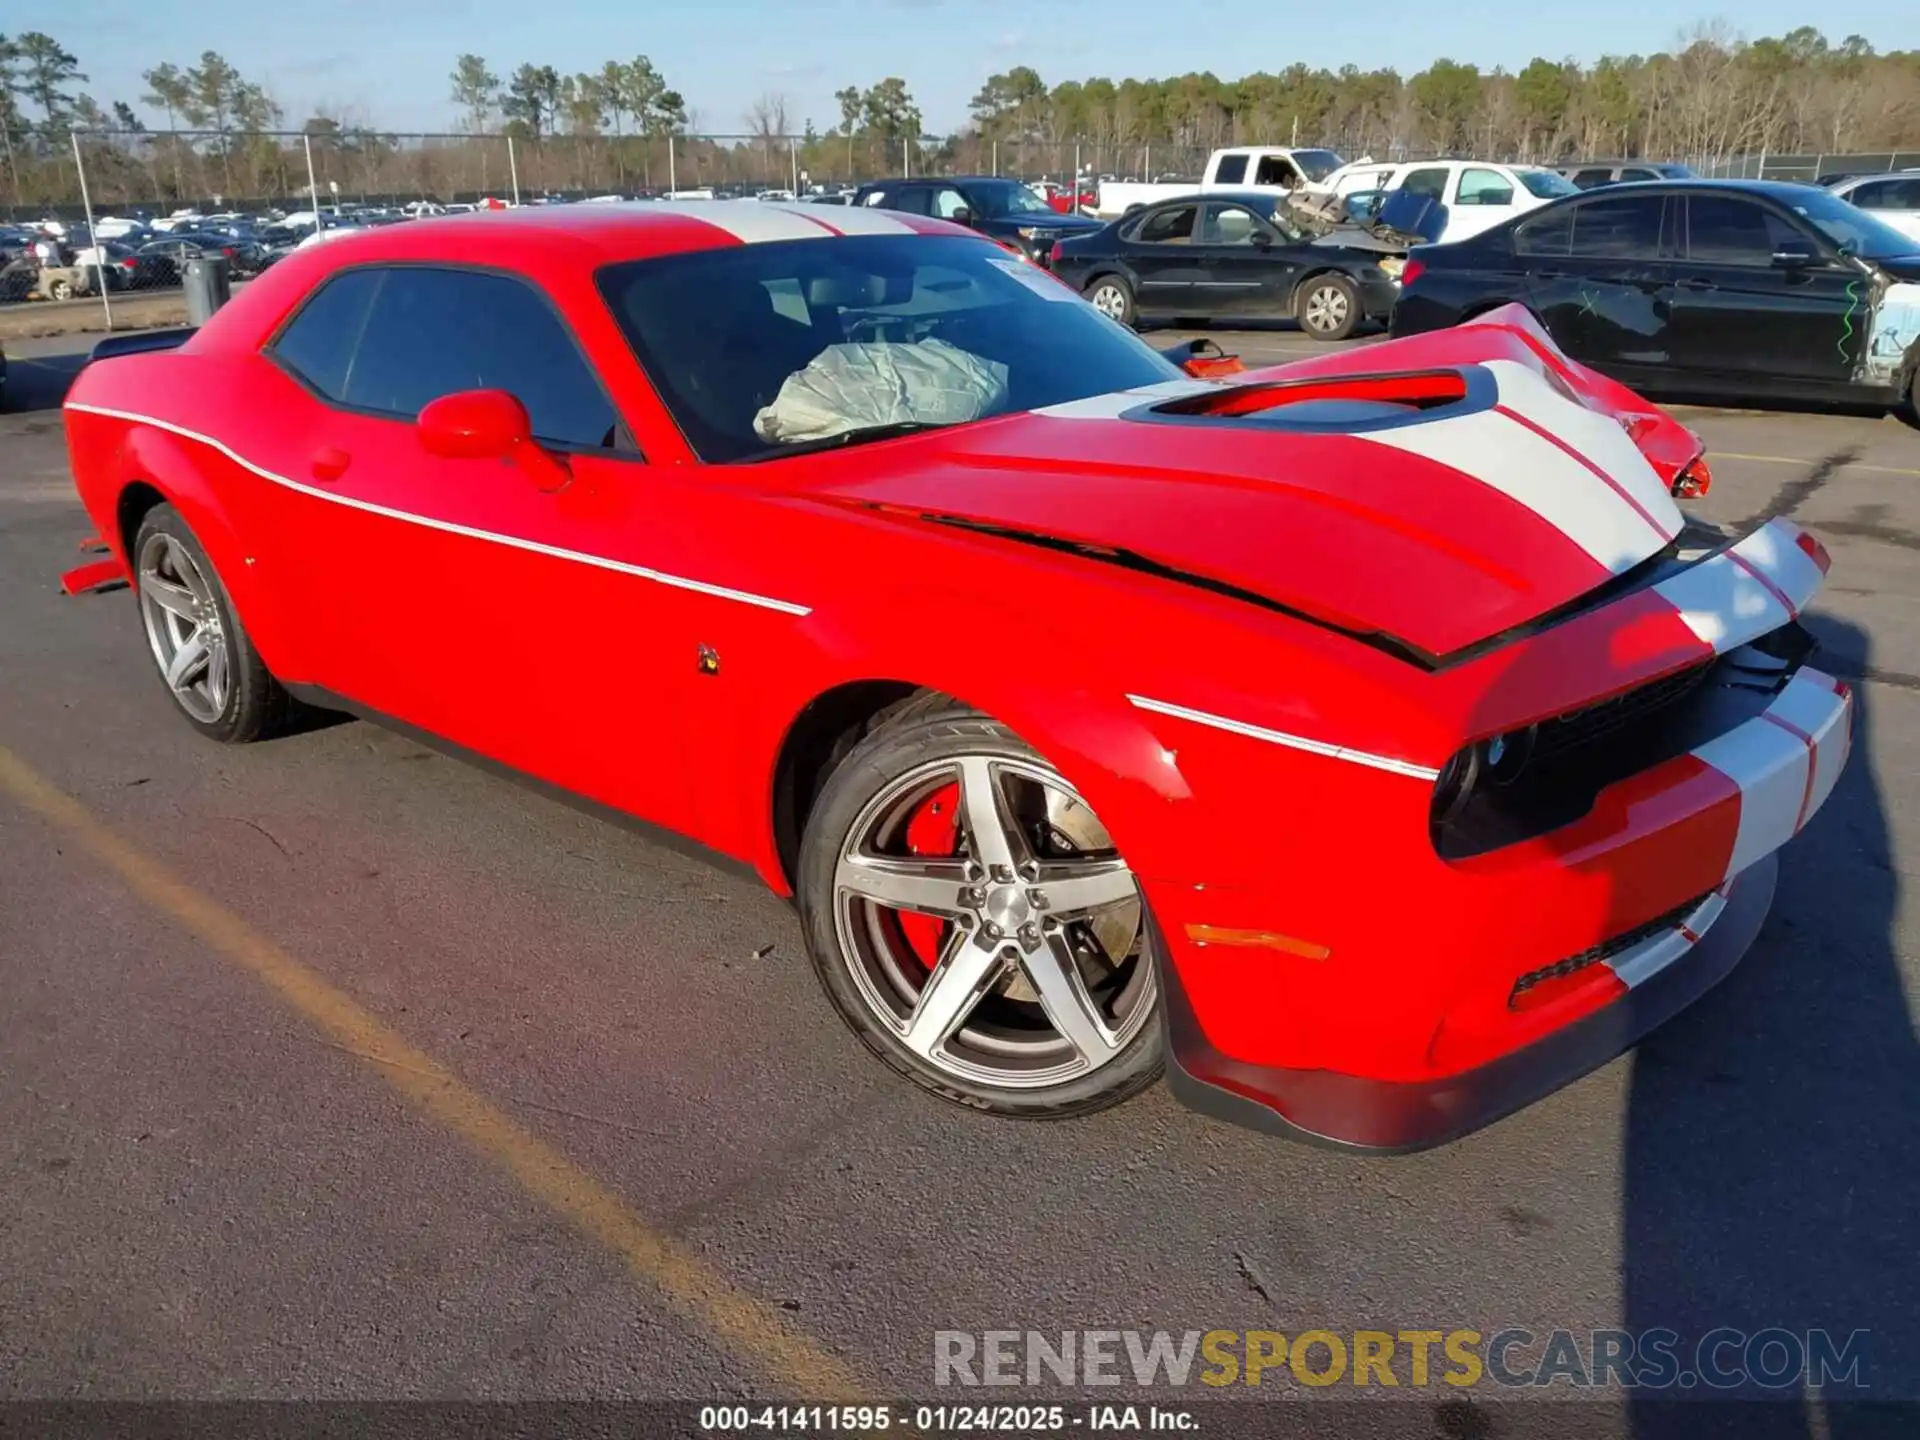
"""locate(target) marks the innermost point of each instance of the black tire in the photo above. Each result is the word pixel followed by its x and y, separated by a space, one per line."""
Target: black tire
pixel 1114 289
pixel 1333 302
pixel 256 705
pixel 60 290
pixel 926 728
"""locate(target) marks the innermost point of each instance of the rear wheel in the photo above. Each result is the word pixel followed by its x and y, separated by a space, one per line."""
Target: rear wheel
pixel 60 290
pixel 204 657
pixel 1328 307
pixel 1113 298
pixel 972 921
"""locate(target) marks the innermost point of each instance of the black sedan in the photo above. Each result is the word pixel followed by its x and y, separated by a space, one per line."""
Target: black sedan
pixel 1002 209
pixel 1226 256
pixel 1734 288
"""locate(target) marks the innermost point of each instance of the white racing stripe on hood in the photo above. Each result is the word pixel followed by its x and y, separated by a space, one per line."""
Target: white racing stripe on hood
pixel 1117 403
pixel 1601 438
pixel 1530 469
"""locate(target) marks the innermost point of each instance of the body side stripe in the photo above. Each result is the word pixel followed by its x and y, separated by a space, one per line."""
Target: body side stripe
pixel 642 572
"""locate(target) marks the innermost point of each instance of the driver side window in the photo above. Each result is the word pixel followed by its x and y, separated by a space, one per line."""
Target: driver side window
pixel 420 332
pixel 948 203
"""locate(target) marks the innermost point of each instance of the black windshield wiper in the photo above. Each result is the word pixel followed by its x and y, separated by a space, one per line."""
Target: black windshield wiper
pixel 859 435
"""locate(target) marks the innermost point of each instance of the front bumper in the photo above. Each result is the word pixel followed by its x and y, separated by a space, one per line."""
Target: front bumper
pixel 1492 980
pixel 1662 975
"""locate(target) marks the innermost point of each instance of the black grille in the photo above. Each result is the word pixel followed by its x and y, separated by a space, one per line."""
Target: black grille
pixel 1595 722
pixel 1573 964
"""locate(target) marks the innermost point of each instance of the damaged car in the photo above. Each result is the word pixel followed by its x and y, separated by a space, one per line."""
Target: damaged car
pixel 1236 257
pixel 877 563
pixel 1738 289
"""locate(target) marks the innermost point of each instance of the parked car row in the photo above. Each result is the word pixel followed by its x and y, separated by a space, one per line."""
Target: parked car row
pixel 1733 288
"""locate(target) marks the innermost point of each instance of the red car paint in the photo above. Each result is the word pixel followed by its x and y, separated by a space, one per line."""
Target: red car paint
pixel 1264 761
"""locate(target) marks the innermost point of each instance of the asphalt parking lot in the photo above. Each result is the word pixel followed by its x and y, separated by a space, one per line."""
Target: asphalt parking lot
pixel 331 1068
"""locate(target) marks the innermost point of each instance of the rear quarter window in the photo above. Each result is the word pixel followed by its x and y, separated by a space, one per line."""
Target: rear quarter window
pixel 317 345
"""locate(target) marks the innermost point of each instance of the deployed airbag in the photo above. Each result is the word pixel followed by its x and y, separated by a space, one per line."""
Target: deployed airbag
pixel 854 386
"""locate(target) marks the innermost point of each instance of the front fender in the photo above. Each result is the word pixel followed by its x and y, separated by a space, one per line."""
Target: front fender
pixel 1096 739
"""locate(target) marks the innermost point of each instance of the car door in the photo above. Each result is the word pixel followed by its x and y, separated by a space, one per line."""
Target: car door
pixel 1431 183
pixel 456 595
pixel 1481 199
pixel 1240 264
pixel 1599 277
pixel 1159 251
pixel 1736 312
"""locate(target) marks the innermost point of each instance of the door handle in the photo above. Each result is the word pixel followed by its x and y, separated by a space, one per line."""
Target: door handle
pixel 1696 283
pixel 330 463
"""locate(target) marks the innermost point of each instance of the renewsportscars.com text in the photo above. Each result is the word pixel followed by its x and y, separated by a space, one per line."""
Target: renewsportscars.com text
pixel 1724 1359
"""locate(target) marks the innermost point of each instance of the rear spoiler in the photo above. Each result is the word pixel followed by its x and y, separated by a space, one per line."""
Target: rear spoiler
pixel 140 342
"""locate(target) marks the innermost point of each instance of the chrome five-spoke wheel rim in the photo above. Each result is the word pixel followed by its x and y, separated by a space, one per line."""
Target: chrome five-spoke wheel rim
pixel 1108 300
pixel 1014 955
pixel 1327 308
pixel 183 627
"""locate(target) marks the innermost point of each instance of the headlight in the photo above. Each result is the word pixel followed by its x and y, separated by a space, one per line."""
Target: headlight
pixel 1027 232
pixel 1505 756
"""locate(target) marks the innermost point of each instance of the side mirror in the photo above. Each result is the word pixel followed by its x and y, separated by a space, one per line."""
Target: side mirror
pixel 488 425
pixel 962 216
pixel 1794 255
pixel 1262 239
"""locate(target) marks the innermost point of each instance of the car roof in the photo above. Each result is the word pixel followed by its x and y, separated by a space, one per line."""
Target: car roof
pixel 605 234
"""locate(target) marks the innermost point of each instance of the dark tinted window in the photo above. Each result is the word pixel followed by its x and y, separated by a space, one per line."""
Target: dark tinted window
pixel 1548 234
pixel 434 332
pixel 1730 231
pixel 912 199
pixel 1427 182
pixel 1618 227
pixel 1589 179
pixel 1231 171
pixel 1170 226
pixel 721 335
pixel 318 344
pixel 1636 173
pixel 1895 194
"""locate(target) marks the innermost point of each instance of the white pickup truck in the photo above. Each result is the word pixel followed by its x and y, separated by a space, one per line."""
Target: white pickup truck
pixel 1270 168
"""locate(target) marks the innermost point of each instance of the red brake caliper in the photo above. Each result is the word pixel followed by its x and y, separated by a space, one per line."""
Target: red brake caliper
pixel 933 830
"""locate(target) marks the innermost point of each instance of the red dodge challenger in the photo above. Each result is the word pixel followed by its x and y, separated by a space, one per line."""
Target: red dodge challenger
pixel 1371 744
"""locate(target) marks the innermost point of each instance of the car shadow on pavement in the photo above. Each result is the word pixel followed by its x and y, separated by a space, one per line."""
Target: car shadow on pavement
pixel 1773 1142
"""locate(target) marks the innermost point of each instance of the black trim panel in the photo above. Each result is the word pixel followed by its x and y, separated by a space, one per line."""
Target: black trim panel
pixel 323 699
pixel 1352 1112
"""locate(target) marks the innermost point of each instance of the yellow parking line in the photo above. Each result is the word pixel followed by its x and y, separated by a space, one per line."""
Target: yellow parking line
pixel 1713 455
pixel 756 1329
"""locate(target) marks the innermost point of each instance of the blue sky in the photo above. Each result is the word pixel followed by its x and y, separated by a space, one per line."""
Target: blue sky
pixel 388 60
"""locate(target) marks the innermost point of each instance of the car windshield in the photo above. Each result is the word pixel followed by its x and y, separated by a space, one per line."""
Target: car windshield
pixel 1852 229
pixel 1547 184
pixel 1009 197
pixel 1316 165
pixel 761 349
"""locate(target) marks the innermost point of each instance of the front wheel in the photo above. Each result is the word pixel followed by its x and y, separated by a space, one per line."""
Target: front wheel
pixel 1328 307
pixel 1113 298
pixel 972 921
